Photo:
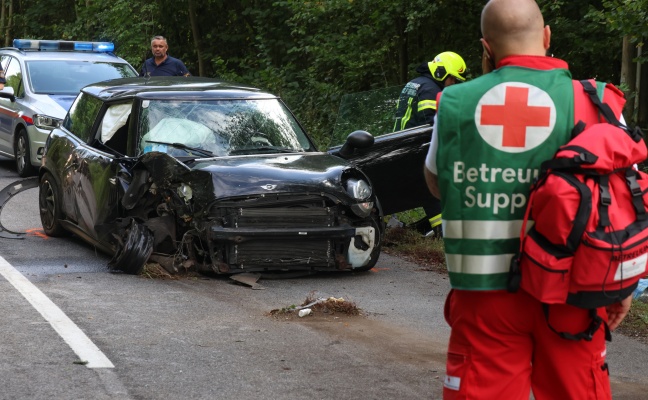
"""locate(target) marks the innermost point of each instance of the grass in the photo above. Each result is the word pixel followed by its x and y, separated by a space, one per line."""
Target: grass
pixel 635 323
pixel 406 243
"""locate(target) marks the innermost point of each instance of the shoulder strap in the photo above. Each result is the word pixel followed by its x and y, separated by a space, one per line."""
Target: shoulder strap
pixel 607 112
pixel 603 107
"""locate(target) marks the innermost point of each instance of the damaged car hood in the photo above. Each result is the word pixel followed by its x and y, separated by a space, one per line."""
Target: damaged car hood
pixel 245 175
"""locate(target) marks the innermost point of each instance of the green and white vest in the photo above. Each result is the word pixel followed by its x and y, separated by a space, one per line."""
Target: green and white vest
pixel 486 164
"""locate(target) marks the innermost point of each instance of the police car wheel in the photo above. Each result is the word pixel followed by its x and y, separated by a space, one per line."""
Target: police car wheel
pixel 22 154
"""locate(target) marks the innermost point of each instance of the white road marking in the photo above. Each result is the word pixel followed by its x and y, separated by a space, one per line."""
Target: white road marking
pixel 87 351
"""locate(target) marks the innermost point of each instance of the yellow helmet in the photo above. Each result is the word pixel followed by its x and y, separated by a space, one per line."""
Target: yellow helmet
pixel 447 63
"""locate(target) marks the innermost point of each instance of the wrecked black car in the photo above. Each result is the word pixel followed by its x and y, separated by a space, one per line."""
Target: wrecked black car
pixel 199 174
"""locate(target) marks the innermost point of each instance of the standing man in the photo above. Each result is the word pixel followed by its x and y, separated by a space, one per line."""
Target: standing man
pixel 488 142
pixel 161 64
pixel 417 105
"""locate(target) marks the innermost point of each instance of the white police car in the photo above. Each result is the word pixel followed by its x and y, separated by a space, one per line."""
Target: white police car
pixel 43 79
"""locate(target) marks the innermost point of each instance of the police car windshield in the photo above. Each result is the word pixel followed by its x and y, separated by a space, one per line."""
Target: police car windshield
pixel 69 76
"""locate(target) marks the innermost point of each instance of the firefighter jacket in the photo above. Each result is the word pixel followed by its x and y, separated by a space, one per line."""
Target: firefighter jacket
pixel 417 102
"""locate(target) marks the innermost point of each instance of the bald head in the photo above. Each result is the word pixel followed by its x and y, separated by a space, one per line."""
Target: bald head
pixel 514 27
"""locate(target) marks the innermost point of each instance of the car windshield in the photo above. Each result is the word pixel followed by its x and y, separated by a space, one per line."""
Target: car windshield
pixel 69 76
pixel 221 127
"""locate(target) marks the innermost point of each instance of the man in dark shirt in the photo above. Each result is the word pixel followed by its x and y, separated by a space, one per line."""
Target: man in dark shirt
pixel 162 64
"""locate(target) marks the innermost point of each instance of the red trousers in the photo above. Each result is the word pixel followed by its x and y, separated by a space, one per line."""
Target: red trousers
pixel 502 348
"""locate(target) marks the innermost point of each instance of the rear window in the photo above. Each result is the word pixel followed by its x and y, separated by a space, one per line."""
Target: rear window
pixel 69 76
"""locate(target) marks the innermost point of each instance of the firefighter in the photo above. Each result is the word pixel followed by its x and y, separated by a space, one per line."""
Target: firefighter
pixel 417 102
pixel 417 106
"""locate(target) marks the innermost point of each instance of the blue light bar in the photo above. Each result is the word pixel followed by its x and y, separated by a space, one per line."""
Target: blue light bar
pixel 103 46
pixel 63 45
pixel 82 46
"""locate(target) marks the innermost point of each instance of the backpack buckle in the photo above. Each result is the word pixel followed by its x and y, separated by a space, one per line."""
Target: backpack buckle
pixel 606 199
pixel 635 189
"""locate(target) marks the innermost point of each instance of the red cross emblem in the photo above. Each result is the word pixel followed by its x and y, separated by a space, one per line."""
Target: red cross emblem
pixel 515 117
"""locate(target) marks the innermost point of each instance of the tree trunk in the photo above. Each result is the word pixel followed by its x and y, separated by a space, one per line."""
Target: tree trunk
pixel 2 15
pixel 629 78
pixel 403 55
pixel 642 96
pixel 195 32
pixel 9 24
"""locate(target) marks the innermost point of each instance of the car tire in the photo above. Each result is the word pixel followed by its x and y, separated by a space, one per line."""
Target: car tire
pixel 23 155
pixel 49 204
pixel 134 249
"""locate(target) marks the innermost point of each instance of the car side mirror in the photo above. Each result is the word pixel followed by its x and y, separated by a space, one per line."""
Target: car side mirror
pixel 356 140
pixel 8 93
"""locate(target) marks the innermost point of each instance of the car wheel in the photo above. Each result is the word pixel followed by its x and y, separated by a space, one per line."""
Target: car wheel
pixel 134 250
pixel 49 204
pixel 22 154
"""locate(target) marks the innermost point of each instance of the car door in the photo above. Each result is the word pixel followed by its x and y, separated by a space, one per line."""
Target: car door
pixel 394 163
pixel 87 170
pixel 9 109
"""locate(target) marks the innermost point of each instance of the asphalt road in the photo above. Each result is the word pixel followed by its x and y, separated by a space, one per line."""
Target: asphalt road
pixel 74 330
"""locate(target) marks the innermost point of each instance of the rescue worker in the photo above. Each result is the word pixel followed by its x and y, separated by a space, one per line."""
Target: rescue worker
pixel 417 102
pixel 417 106
pixel 501 345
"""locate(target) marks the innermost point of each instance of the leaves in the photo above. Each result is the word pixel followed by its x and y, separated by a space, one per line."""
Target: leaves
pixel 313 52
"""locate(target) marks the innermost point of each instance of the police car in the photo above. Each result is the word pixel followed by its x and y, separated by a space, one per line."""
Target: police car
pixel 43 79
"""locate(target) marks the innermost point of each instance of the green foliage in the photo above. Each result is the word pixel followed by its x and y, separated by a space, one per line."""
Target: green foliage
pixel 312 53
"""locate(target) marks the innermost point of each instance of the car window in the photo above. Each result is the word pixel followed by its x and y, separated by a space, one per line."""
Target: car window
pixel 223 127
pixel 69 76
pixel 13 75
pixel 82 115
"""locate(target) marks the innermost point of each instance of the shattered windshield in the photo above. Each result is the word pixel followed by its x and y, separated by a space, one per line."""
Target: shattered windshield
pixel 219 127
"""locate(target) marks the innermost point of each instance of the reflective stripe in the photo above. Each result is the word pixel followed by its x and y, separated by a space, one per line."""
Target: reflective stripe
pixel 408 113
pixel 482 265
pixel 435 221
pixel 484 230
pixel 427 105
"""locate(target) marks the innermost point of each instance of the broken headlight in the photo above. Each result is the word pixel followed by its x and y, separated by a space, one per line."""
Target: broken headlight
pixel 360 190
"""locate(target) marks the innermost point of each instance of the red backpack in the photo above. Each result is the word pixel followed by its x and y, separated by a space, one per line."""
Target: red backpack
pixel 588 245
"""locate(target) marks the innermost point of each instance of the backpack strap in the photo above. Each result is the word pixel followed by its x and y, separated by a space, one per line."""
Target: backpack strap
pixel 607 112
pixel 637 194
pixel 605 109
pixel 588 333
pixel 605 199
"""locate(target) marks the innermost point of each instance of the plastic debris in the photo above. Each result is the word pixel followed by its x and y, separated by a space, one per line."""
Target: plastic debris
pixel 394 222
pixel 319 300
pixel 641 288
pixel 304 312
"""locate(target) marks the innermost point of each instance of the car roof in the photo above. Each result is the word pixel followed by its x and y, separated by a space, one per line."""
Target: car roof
pixel 186 88
pixel 62 55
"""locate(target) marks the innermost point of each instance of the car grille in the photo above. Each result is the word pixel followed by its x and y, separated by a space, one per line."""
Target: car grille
pixel 282 217
pixel 289 236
